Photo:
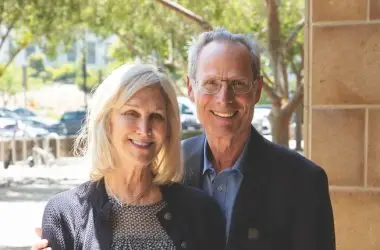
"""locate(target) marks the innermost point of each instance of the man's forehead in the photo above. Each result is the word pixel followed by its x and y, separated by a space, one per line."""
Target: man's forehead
pixel 226 58
pixel 224 46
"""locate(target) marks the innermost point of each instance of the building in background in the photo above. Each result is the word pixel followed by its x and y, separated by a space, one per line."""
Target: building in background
pixel 96 52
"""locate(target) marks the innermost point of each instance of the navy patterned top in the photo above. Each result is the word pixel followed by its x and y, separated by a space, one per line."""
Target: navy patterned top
pixel 138 227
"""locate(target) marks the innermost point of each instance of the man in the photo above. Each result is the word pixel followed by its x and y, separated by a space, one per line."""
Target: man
pixel 272 198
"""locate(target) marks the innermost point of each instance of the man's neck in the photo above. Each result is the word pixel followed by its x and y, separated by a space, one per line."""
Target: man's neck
pixel 226 151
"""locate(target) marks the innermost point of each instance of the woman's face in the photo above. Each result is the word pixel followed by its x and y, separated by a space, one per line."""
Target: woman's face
pixel 139 128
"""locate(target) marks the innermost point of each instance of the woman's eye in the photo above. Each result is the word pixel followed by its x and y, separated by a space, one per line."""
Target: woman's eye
pixel 130 113
pixel 158 117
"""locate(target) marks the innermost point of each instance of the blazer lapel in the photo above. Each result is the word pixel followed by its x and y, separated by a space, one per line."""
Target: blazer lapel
pixel 101 209
pixel 251 200
pixel 192 151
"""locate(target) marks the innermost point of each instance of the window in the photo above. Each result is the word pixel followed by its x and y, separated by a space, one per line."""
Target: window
pixel 29 50
pixel 91 53
pixel 185 109
pixel 106 58
pixel 72 53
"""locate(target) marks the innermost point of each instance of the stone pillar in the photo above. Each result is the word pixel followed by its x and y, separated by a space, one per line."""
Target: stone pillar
pixel 342 112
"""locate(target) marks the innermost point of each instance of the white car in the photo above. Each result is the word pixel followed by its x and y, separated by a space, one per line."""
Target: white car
pixel 260 119
pixel 188 114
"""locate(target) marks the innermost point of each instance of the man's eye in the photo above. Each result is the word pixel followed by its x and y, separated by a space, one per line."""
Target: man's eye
pixel 210 83
pixel 238 83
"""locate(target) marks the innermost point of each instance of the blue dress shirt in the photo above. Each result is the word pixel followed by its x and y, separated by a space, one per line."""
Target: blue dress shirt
pixel 223 186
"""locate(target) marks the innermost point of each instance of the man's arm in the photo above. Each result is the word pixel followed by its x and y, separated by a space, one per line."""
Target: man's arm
pixel 325 218
pixel 313 225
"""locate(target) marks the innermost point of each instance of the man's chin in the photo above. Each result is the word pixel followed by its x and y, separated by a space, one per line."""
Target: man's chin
pixel 221 131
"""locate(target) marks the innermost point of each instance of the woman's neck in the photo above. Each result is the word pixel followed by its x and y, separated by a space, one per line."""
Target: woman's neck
pixel 132 185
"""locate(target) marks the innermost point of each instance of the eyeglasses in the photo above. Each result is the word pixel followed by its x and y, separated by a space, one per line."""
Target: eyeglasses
pixel 213 86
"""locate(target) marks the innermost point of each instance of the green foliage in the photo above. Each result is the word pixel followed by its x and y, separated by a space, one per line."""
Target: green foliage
pixel 47 23
pixel 11 82
pixel 64 73
pixel 189 134
pixel 145 29
pixel 91 82
pixel 264 99
pixel 36 62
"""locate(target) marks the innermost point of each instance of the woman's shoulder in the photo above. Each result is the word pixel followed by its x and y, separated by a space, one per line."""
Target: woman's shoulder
pixel 71 197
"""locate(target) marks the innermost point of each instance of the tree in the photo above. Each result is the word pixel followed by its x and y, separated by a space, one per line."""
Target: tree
pixel 160 39
pixel 11 82
pixel 283 52
pixel 27 22
pixel 36 62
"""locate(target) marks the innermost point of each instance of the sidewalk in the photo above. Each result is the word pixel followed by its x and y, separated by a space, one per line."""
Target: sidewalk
pixel 24 192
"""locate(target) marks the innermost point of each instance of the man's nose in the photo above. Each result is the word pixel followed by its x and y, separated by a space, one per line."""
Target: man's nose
pixel 226 93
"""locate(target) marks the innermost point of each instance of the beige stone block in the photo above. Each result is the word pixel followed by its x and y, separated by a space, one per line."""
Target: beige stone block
pixel 337 144
pixel 374 148
pixel 338 10
pixel 374 11
pixel 357 220
pixel 345 64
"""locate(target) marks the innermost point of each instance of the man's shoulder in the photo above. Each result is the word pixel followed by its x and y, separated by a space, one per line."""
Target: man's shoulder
pixel 291 160
pixel 190 142
pixel 192 146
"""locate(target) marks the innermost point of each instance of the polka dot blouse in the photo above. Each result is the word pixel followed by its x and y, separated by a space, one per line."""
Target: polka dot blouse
pixel 137 227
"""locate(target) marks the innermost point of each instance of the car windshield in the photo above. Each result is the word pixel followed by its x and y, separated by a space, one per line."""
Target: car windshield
pixel 73 115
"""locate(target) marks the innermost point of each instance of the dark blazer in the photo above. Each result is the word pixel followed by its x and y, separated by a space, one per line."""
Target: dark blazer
pixel 283 202
pixel 79 218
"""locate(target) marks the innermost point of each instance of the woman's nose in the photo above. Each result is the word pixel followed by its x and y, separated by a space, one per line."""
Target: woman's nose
pixel 144 127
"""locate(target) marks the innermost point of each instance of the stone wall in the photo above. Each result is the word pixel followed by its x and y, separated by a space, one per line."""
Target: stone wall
pixel 342 112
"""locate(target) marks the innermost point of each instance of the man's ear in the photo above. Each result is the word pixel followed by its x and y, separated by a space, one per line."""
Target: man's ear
pixel 259 87
pixel 190 90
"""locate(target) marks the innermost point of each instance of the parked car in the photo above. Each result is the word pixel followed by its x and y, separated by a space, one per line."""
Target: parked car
pixel 260 118
pixel 73 121
pixel 188 116
pixel 7 113
pixel 24 112
pixel 53 126
pixel 20 129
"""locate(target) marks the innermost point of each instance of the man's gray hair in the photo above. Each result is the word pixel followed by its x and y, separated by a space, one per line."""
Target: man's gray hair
pixel 221 34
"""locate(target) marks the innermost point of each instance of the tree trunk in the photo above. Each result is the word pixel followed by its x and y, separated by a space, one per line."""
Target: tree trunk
pixel 279 121
pixel 298 132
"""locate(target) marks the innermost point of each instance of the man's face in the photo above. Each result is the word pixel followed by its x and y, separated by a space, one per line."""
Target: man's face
pixel 224 114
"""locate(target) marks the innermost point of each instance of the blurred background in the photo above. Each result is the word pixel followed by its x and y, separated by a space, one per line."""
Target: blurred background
pixel 53 54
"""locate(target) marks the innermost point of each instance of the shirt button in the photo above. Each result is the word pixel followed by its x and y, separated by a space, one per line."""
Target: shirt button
pixel 253 234
pixel 167 216
pixel 220 188
pixel 183 244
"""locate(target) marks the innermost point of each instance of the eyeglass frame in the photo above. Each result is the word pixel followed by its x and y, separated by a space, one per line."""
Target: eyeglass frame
pixel 252 83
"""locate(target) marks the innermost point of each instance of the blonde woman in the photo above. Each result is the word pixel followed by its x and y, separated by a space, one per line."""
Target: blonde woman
pixel 134 199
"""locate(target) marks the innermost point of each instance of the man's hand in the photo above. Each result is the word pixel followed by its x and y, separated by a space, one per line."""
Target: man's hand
pixel 41 244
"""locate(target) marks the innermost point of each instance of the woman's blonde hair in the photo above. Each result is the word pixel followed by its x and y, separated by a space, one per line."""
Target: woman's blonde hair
pixel 94 141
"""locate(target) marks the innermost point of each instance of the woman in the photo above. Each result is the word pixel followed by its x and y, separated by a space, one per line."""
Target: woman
pixel 134 200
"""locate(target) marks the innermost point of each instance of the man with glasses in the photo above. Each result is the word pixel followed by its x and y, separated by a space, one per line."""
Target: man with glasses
pixel 272 198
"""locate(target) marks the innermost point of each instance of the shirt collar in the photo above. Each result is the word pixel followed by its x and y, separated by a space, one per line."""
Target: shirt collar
pixel 207 164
